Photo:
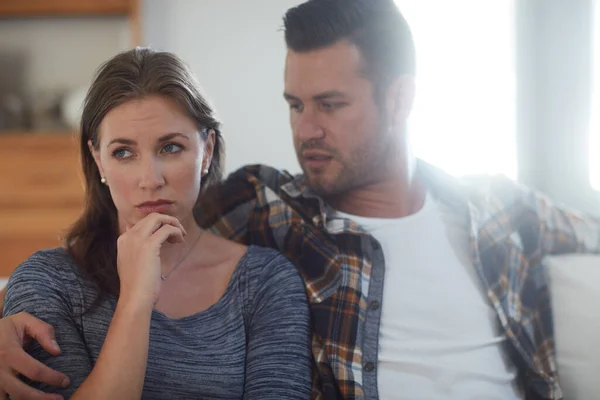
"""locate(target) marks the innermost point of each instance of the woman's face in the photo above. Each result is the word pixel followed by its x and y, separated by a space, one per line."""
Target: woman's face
pixel 152 157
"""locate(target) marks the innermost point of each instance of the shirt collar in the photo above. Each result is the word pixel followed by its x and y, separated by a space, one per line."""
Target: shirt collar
pixel 444 188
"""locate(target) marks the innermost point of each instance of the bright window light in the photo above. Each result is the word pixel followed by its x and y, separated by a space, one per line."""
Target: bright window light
pixel 464 116
pixel 594 148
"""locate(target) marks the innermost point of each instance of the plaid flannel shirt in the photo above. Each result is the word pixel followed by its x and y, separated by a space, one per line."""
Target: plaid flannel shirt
pixel 511 230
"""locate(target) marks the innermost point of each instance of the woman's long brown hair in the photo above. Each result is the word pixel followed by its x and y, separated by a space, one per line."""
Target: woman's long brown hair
pixel 134 74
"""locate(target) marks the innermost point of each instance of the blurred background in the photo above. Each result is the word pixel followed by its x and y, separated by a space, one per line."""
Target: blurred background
pixel 504 86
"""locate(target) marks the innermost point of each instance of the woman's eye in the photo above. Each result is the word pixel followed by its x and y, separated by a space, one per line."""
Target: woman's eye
pixel 171 148
pixel 122 153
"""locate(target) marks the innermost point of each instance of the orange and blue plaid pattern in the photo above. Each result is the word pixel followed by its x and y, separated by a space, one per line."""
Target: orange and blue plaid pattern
pixel 512 229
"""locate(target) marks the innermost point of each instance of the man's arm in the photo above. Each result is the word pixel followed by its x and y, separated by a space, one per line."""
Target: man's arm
pixel 15 331
pixel 547 228
pixel 2 295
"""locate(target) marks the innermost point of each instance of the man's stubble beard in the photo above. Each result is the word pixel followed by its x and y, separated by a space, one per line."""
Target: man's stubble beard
pixel 370 163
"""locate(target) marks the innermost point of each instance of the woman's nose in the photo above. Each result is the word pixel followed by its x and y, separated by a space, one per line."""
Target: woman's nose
pixel 151 176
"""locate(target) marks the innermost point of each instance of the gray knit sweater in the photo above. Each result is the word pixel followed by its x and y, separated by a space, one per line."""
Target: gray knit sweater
pixel 252 344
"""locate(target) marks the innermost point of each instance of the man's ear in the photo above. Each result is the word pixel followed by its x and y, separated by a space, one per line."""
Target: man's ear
pixel 96 154
pixel 400 99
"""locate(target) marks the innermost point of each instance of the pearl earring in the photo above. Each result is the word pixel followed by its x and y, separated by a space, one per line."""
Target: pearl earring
pixel 103 180
pixel 205 172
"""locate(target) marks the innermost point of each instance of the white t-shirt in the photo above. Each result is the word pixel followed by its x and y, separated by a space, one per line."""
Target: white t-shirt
pixel 439 337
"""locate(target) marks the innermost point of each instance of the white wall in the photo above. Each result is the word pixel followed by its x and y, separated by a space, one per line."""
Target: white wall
pixel 555 81
pixel 237 50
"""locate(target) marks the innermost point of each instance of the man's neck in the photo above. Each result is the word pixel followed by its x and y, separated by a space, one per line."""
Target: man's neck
pixel 400 194
pixel 386 199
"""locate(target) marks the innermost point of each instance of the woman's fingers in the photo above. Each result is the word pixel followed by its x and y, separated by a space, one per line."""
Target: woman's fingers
pixel 167 233
pixel 153 222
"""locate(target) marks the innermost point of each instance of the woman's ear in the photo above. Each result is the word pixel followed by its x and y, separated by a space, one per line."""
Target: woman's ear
pixel 209 148
pixel 96 154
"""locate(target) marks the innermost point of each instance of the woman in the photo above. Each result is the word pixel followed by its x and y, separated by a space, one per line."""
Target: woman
pixel 144 302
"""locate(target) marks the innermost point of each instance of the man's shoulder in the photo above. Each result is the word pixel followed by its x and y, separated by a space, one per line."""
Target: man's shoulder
pixel 490 184
pixel 257 184
pixel 483 191
pixel 250 190
pixel 262 175
pixel 501 191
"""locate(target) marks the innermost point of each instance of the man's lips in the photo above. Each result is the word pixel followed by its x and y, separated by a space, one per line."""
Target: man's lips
pixel 314 159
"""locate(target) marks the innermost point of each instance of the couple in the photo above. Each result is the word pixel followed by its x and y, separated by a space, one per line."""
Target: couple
pixel 418 285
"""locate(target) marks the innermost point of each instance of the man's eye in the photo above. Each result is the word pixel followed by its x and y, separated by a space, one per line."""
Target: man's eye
pixel 330 106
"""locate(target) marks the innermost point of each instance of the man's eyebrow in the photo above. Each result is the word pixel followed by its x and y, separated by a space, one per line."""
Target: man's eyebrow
pixel 331 94
pixel 290 97
pixel 328 95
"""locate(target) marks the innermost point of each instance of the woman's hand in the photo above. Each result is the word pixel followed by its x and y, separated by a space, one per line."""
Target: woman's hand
pixel 138 256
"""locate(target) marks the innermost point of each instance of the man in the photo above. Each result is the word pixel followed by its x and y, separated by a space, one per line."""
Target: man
pixel 421 286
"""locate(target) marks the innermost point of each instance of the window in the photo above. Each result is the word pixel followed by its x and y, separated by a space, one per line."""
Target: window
pixel 464 116
pixel 594 148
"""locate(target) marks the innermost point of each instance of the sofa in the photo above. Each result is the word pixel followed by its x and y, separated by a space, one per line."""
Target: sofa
pixel 575 297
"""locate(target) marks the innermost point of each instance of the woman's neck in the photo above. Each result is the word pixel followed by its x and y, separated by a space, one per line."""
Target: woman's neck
pixel 172 254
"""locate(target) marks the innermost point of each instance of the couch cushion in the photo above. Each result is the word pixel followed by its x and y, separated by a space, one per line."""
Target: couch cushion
pixel 575 296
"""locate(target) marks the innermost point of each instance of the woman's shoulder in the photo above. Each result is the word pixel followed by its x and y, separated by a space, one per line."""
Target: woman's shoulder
pixel 265 260
pixel 266 267
pixel 274 290
pixel 46 280
pixel 47 266
pixel 251 261
pixel 57 257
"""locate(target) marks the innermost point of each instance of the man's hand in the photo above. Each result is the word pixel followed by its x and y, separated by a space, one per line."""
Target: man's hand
pixel 17 331
pixel 2 295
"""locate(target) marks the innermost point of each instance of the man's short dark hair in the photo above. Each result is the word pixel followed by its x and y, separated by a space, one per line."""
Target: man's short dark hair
pixel 376 27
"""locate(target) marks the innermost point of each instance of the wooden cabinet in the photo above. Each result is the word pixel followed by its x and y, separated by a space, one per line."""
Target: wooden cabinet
pixel 41 193
pixel 28 8
pixel 41 183
pixel 75 8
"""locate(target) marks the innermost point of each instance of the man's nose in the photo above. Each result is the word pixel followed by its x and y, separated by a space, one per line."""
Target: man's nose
pixel 306 127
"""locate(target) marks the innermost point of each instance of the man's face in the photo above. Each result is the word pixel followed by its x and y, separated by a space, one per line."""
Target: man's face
pixel 340 134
